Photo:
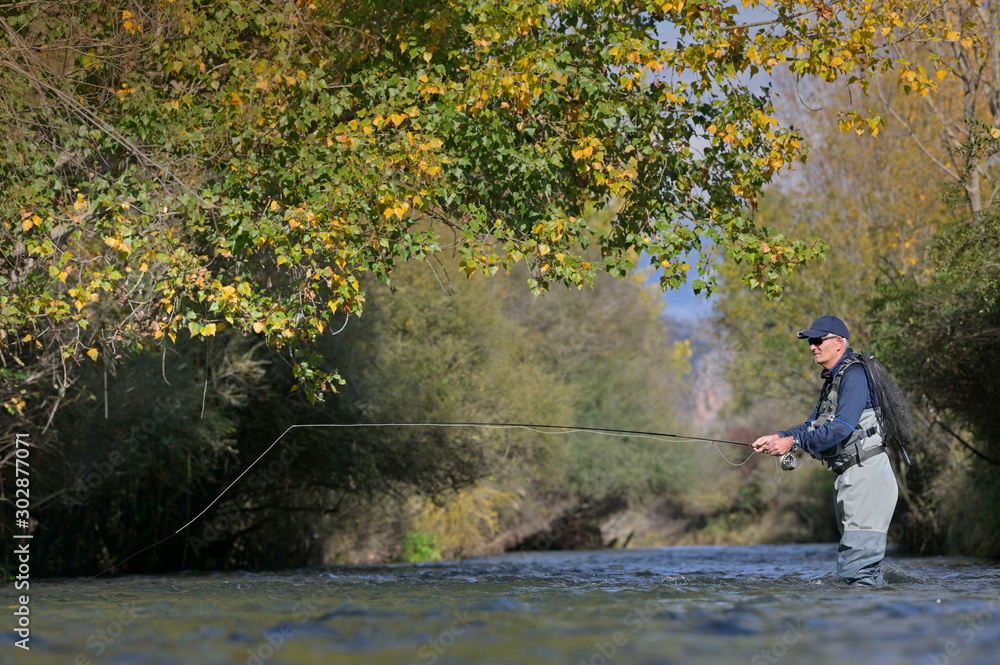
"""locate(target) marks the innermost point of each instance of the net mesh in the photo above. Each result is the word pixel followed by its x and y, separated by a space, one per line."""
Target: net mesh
pixel 894 413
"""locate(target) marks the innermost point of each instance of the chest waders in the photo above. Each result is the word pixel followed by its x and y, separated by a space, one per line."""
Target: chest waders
pixel 853 450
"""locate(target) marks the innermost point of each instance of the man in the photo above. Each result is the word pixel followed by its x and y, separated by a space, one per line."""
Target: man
pixel 843 431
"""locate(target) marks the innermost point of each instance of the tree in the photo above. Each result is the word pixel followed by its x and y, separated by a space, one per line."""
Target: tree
pixel 940 324
pixel 869 198
pixel 966 68
pixel 940 330
pixel 611 346
pixel 190 166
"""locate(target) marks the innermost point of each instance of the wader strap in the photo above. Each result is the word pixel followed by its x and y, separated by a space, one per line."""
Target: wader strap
pixel 859 458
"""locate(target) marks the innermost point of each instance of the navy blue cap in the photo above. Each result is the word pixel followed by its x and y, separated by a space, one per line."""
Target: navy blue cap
pixel 825 325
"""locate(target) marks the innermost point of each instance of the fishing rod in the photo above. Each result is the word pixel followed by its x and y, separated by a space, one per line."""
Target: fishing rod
pixel 542 429
pixel 788 461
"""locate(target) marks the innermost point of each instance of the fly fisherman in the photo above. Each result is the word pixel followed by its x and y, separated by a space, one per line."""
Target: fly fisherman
pixel 843 431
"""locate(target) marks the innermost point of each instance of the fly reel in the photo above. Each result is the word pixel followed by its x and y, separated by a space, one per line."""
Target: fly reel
pixel 788 461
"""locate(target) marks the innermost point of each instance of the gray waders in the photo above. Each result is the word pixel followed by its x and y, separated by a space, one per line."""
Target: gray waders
pixel 865 491
pixel 864 498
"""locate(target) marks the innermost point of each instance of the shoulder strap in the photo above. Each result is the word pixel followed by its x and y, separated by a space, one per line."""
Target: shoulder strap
pixel 833 385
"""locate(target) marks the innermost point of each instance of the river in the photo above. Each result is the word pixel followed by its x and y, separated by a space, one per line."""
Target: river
pixel 706 605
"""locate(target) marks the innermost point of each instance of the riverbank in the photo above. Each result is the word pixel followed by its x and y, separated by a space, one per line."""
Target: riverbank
pixel 752 504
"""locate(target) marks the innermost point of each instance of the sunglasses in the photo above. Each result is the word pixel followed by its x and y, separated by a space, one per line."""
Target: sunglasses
pixel 818 341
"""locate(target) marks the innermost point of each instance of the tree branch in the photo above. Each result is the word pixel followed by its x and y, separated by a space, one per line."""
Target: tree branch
pixel 966 444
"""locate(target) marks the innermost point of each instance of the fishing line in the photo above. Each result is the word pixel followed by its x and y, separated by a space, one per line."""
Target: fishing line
pixel 752 453
pixel 538 429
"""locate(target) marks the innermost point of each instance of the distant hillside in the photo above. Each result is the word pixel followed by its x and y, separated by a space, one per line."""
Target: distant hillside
pixel 708 390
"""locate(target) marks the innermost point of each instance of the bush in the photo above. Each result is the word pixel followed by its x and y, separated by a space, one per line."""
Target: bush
pixel 420 546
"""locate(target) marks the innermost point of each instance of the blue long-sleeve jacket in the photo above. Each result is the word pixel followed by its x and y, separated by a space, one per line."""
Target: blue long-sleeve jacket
pixel 853 398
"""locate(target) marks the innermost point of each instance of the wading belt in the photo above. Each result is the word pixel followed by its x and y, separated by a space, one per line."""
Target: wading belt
pixel 861 456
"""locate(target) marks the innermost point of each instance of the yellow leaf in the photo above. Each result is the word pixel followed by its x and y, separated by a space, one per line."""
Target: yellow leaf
pixel 208 331
pixel 93 354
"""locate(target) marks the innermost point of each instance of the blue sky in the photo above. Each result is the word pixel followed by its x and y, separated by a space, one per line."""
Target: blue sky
pixel 680 303
pixel 684 305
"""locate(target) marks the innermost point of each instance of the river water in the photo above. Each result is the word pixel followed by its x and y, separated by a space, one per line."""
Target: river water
pixel 705 605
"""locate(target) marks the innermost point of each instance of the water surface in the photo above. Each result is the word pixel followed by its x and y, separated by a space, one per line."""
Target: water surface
pixel 706 605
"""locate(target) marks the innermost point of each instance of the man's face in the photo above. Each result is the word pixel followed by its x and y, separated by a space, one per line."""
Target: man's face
pixel 826 350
